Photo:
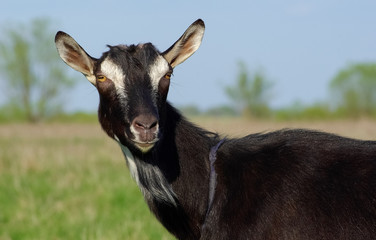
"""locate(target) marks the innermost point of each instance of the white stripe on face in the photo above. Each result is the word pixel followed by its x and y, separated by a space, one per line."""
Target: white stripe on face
pixel 157 70
pixel 115 74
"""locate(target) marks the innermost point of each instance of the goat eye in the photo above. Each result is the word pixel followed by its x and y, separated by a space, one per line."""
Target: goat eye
pixel 101 78
pixel 168 76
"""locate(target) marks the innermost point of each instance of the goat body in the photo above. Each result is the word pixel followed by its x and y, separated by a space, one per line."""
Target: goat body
pixel 288 184
pixel 295 184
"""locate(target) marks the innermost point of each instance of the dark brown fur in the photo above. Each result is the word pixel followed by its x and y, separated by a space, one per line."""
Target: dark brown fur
pixel 289 184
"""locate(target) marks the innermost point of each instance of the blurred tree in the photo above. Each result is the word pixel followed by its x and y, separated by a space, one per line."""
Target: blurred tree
pixel 222 111
pixel 33 71
pixel 251 94
pixel 354 90
pixel 191 110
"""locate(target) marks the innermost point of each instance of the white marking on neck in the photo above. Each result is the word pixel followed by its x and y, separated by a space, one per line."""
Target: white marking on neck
pixel 157 70
pixel 113 72
pixel 131 163
pixel 129 158
pixel 158 187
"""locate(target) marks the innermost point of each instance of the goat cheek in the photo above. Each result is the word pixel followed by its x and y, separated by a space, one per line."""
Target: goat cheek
pixel 164 85
pixel 106 88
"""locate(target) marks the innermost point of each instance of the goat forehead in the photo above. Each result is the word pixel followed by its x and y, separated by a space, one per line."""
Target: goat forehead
pixel 132 58
pixel 125 64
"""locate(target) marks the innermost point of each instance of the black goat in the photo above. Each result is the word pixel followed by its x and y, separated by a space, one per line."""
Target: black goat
pixel 289 184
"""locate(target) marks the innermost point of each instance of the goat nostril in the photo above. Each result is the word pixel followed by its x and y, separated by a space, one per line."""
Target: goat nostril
pixel 145 125
pixel 139 125
pixel 154 125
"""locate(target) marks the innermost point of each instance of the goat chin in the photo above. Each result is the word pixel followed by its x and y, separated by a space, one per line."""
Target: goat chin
pixel 144 147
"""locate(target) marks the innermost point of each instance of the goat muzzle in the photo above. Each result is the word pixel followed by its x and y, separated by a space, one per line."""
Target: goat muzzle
pixel 145 129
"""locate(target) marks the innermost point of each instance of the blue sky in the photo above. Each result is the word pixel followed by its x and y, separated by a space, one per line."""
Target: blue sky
pixel 300 45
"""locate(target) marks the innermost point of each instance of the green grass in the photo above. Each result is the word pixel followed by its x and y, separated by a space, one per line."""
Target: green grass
pixel 68 182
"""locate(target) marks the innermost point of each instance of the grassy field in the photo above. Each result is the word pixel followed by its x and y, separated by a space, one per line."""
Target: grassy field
pixel 70 181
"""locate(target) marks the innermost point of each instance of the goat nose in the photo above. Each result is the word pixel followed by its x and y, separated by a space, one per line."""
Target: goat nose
pixel 145 128
pixel 145 132
pixel 145 123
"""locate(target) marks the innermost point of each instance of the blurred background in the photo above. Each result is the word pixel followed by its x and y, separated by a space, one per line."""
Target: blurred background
pixel 263 65
pixel 290 59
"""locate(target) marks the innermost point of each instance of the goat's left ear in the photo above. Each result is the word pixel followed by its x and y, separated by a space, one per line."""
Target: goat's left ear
pixel 186 45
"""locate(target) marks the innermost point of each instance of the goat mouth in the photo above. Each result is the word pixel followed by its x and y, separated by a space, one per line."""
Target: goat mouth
pixel 144 147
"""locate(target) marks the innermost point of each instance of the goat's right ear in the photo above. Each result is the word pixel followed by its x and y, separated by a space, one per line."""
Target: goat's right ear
pixel 75 56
